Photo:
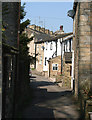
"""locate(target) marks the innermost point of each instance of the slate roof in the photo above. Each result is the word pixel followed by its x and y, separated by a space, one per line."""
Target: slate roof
pixel 43 37
pixel 39 36
pixel 52 38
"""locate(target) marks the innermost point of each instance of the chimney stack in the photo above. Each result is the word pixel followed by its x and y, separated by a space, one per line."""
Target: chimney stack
pixel 61 28
pixel 38 28
pixel 43 30
pixel 47 31
pixel 32 27
pixel 51 32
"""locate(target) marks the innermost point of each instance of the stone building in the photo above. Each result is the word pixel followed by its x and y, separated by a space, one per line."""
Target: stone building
pixel 53 48
pixel 82 45
pixel 0 60
pixel 10 50
pixel 48 48
pixel 36 50
pixel 54 67
pixel 40 57
pixel 60 66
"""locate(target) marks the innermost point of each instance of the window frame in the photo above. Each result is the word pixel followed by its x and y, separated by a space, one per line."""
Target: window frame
pixel 45 60
pixel 53 66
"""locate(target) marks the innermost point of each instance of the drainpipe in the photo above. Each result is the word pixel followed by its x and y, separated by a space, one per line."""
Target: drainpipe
pixel 56 48
pixel 61 56
pixel 72 78
pixel 35 57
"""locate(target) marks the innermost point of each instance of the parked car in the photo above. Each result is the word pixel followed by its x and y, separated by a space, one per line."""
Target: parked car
pixel 30 72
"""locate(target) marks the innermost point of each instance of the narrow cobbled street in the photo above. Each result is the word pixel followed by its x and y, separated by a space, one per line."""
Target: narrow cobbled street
pixel 50 101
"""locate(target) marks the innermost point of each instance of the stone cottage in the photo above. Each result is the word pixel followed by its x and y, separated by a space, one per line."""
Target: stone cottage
pixel 36 50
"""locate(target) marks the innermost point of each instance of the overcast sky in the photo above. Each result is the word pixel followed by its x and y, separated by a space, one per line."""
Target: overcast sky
pixel 50 14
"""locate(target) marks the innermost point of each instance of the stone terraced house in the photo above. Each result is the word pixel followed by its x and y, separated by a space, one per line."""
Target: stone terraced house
pixel 54 52
pixel 47 47
pixel 36 50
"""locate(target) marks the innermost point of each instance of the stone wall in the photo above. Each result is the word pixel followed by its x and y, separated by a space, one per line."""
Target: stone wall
pixel 75 42
pixel 82 45
pixel 39 57
pixel 11 20
pixel 54 73
pixel 0 59
pixel 66 74
pixel 45 73
pixel 82 41
pixel 64 79
pixel 10 44
pixel 31 46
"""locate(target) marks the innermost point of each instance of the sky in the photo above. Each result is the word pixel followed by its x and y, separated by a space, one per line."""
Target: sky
pixel 50 15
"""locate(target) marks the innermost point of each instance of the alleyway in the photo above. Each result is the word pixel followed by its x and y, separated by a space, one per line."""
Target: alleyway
pixel 50 101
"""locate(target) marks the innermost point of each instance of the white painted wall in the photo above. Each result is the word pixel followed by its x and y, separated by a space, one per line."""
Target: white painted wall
pixel 48 52
pixel 59 47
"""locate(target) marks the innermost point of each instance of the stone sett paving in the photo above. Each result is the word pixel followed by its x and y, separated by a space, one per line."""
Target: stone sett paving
pixel 50 101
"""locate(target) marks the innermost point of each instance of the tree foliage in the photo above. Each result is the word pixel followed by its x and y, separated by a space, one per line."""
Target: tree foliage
pixel 24 40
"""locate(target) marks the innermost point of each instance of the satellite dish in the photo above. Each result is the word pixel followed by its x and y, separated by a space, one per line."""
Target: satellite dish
pixel 71 13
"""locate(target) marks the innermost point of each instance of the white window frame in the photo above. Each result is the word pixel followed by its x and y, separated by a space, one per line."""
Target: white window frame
pixel 54 65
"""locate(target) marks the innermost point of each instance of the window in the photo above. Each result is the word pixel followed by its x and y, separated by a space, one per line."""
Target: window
pixel 37 47
pixel 55 67
pixel 45 60
pixel 70 70
pixel 64 47
pixel 70 45
pixel 46 45
pixel 40 60
pixel 51 46
pixel 34 46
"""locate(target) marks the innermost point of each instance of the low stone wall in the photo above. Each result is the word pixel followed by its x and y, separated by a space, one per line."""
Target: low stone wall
pixel 66 74
pixel 64 79
pixel 45 73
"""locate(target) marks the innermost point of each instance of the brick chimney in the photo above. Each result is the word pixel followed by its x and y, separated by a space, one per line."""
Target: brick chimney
pixel 47 31
pixel 51 32
pixel 38 28
pixel 32 27
pixel 42 30
pixel 61 28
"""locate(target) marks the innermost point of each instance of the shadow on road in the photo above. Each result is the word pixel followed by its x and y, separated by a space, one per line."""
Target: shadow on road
pixel 49 104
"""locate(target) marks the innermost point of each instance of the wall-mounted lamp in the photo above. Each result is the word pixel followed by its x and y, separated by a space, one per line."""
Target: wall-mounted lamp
pixel 71 13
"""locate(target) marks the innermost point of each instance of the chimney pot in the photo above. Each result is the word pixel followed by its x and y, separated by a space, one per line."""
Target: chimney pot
pixel 61 27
